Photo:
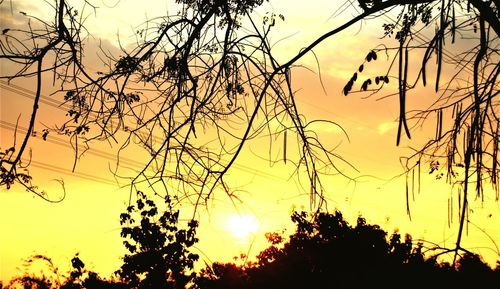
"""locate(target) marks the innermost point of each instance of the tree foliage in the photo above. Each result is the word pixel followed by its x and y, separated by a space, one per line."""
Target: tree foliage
pixel 465 145
pixel 327 252
pixel 324 251
pixel 159 255
pixel 50 276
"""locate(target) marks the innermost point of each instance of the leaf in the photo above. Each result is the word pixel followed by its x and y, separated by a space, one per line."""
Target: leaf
pixel 140 204
pixel 77 263
pixel 345 90
pixel 348 87
pixel 361 67
pixel 45 133
pixel 364 87
pixel 372 55
pixel 367 82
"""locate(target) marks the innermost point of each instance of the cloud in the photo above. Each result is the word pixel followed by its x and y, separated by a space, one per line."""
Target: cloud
pixel 385 127
pixel 12 13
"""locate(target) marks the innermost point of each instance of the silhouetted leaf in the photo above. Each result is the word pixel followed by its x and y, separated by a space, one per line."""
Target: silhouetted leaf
pixel 367 82
pixel 372 55
pixel 348 87
pixel 77 263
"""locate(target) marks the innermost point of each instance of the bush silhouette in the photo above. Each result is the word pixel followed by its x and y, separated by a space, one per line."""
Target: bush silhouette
pixel 159 256
pixel 323 252
pixel 326 252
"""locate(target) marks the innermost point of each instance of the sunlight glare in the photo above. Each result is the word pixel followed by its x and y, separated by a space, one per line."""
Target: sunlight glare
pixel 242 226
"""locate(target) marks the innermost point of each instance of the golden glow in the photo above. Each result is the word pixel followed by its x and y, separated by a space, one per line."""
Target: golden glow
pixel 242 227
pixel 87 220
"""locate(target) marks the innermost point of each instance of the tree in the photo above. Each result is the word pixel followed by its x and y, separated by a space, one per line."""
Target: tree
pixel 327 252
pixel 197 87
pixel 159 254
pixel 324 250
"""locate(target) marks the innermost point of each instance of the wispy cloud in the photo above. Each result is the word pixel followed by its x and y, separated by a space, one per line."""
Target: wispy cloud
pixel 385 127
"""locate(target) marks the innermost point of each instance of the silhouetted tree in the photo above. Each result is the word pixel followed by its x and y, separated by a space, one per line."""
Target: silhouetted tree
pixel 196 88
pixel 81 278
pixel 158 249
pixel 323 252
pixel 464 148
pixel 326 252
pixel 158 255
pixel 50 277
pixel 47 279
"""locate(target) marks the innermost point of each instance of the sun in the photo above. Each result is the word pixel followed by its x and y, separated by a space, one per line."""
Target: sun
pixel 242 226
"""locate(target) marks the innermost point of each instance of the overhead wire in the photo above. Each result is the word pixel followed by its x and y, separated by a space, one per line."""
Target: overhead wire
pixel 27 93
pixel 51 167
pixel 61 106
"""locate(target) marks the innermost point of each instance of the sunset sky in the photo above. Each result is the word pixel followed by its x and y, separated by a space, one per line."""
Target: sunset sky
pixel 87 221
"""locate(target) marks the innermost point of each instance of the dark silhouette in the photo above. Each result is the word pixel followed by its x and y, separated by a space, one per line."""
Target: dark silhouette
pixel 159 256
pixel 324 252
pixel 200 80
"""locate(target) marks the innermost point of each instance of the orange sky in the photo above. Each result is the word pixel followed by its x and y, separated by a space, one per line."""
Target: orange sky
pixel 87 221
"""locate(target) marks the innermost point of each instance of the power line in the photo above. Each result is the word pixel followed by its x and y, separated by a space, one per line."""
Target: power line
pixel 50 167
pixel 30 95
pixel 65 171
pixel 61 106
pixel 58 141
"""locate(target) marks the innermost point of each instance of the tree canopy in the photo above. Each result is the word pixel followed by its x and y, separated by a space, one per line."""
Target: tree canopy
pixel 327 252
pixel 324 251
pixel 201 83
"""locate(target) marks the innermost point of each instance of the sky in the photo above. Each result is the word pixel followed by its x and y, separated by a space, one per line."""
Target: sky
pixel 87 221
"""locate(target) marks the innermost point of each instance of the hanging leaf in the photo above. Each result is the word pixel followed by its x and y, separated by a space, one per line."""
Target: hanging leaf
pixel 348 87
pixel 367 82
pixel 372 55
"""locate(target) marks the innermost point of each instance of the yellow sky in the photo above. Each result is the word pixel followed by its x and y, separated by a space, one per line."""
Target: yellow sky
pixel 87 221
